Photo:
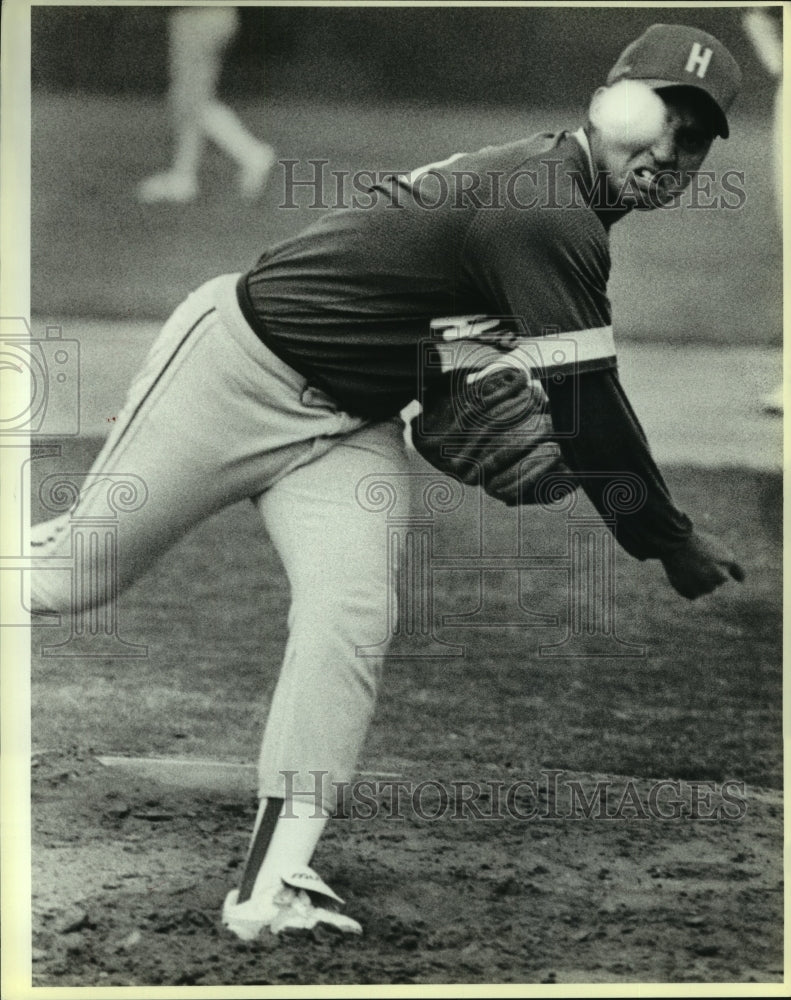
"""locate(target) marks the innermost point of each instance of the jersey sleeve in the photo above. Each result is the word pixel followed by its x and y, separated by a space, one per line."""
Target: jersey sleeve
pixel 547 269
pixel 607 442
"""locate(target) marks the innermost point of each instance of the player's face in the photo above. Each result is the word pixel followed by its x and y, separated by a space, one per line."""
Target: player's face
pixel 654 174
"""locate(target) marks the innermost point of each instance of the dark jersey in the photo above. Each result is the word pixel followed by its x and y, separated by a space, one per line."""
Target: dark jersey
pixel 511 231
pixel 498 232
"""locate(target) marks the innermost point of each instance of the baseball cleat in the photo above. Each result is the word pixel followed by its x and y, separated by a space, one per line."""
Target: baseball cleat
pixel 169 186
pixel 290 906
pixel 255 174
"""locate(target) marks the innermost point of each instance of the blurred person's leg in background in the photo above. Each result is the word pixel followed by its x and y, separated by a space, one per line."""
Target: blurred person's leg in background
pixel 198 39
pixel 764 33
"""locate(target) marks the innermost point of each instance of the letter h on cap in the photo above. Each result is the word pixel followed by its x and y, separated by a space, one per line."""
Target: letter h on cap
pixel 699 59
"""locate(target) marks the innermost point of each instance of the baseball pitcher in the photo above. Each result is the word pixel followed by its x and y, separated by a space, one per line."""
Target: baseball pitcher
pixel 477 286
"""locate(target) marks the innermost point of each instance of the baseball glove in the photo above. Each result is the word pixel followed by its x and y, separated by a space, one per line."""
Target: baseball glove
pixel 490 428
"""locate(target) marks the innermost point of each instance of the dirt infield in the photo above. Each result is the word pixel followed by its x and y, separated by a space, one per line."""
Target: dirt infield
pixel 130 877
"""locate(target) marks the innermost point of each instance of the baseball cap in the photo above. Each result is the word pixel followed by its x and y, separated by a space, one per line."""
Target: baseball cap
pixel 674 55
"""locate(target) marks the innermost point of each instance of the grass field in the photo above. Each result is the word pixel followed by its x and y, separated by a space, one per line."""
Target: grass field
pixel 96 252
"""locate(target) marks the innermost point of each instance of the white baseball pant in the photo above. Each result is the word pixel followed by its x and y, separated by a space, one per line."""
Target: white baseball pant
pixel 215 417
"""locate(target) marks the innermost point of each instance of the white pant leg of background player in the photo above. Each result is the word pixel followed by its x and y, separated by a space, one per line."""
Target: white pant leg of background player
pixel 763 30
pixel 198 41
